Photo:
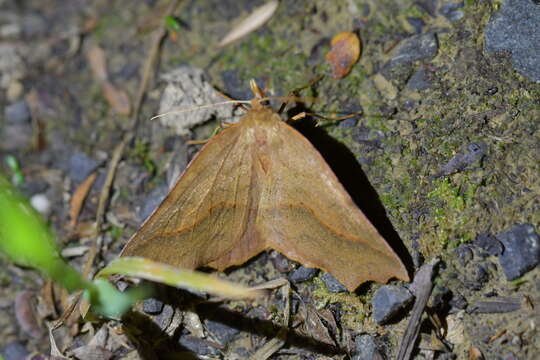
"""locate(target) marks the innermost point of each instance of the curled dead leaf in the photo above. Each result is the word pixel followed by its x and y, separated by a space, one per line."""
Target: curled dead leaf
pixel 256 19
pixel 344 53
pixel 77 200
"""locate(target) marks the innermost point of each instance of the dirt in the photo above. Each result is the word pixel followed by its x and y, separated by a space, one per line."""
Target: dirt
pixel 395 159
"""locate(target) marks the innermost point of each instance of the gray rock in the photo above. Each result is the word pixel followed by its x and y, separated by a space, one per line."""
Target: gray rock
pixel 196 345
pixel 521 250
pixel 365 348
pixel 464 254
pixel 388 300
pixel 152 201
pixel 14 351
pixel 515 28
pixel 152 306
pixel 417 47
pixel 452 11
pixel 223 332
pixel 332 284
pixel 419 81
pixel 417 23
pixel 302 274
pixel 80 166
pixel 475 152
pixel 488 243
pixel 17 112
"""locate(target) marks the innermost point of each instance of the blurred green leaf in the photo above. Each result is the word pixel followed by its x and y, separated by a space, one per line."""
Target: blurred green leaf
pixel 172 23
pixel 186 279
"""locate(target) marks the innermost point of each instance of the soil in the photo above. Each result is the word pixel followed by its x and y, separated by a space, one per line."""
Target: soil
pixel 443 156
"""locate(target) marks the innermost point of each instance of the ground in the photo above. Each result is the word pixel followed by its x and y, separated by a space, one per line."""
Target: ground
pixel 443 159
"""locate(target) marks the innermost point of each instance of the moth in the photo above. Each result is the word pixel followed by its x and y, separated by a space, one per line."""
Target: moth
pixel 257 185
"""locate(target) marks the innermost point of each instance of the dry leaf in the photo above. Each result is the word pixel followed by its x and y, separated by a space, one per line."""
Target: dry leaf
pixel 475 354
pixel 77 200
pixel 118 99
pixel 258 185
pixel 344 53
pixel 256 19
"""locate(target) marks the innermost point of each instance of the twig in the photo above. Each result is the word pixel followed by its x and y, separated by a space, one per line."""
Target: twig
pixel 421 288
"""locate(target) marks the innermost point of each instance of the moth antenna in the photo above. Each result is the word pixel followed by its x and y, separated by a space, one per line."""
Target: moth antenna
pixel 222 94
pixel 200 107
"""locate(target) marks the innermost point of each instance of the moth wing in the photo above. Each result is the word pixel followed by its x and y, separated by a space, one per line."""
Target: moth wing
pixel 307 215
pixel 207 213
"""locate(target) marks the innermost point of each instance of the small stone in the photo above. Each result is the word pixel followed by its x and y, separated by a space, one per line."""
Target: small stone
pixel 464 254
pixel 475 152
pixel 458 302
pixel 196 345
pixel 14 351
pixel 221 330
pixel 152 201
pixel 152 306
pixel 332 284
pixel 417 47
pixel 41 203
pixel 365 348
pixel 514 28
pixel 80 166
pixel 521 250
pixel 417 23
pixel 452 10
pixel 419 81
pixel 302 274
pixel 481 276
pixel 388 300
pixel 488 243
pixel 385 87
pixel 18 112
pixel 348 123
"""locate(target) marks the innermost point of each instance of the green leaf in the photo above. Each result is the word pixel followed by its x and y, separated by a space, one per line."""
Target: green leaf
pixel 181 278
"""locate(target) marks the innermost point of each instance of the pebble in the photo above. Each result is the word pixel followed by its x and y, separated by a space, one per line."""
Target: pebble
pixel 414 48
pixel 419 81
pixel 332 284
pixel 152 201
pixel 452 10
pixel 488 243
pixel 196 346
pixel 18 112
pixel 388 300
pixel 14 351
pixel 514 28
pixel 302 274
pixel 80 166
pixel 417 23
pixel 521 250
pixel 365 348
pixel 153 306
pixel 475 152
pixel 223 332
pixel 41 203
pixel 464 254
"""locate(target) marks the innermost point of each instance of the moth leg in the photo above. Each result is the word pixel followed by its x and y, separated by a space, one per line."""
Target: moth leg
pixel 295 92
pixel 304 114
pixel 216 130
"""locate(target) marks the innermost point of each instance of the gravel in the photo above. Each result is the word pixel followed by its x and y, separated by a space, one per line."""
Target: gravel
pixel 521 250
pixel 388 301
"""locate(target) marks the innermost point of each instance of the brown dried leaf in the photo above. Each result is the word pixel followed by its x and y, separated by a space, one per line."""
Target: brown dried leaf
pixel 475 354
pixel 344 53
pixel 26 315
pixel 98 63
pixel 258 185
pixel 118 99
pixel 256 19
pixel 77 200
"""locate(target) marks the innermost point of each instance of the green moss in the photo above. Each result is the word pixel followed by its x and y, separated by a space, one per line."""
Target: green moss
pixel 449 208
